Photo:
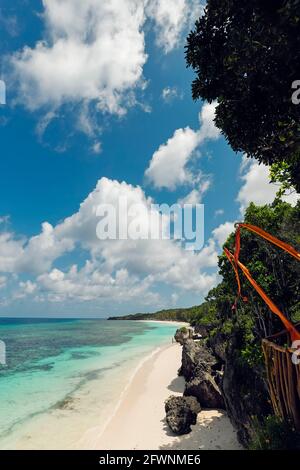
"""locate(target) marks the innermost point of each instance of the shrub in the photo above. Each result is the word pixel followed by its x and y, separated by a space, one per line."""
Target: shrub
pixel 274 434
pixel 183 330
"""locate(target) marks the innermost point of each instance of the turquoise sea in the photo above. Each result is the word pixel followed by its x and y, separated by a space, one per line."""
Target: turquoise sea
pixel 65 377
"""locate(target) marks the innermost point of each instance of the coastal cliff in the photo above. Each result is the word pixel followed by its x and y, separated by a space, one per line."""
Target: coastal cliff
pixel 215 377
pixel 244 388
pixel 214 380
pixel 227 367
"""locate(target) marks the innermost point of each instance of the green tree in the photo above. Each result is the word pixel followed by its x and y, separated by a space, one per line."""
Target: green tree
pixel 275 271
pixel 237 334
pixel 246 55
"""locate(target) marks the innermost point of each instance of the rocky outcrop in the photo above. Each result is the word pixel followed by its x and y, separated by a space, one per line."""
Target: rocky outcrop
pixel 202 371
pixel 196 356
pixel 227 382
pixel 183 334
pixel 181 413
pixel 218 344
pixel 217 378
pixel 200 368
pixel 245 393
pixel 205 389
pixel 203 329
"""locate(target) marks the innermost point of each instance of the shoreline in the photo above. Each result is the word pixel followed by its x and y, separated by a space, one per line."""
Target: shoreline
pixel 139 423
pixel 91 437
pixel 167 322
pixel 98 387
pixel 125 412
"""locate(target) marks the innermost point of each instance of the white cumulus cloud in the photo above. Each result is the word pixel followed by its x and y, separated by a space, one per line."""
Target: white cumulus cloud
pixel 222 232
pixel 118 270
pixel 93 51
pixel 257 187
pixel 171 17
pixel 196 195
pixel 168 166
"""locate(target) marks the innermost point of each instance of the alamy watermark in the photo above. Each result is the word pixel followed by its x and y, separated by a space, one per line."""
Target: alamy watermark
pixel 2 353
pixel 2 93
pixel 296 94
pixel 296 353
pixel 136 221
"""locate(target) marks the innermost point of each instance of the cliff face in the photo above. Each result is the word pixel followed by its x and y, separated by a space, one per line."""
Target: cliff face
pixel 214 376
pixel 202 372
pixel 245 391
pixel 196 357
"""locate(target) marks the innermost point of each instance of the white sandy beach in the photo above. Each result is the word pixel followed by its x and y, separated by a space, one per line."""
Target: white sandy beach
pixel 166 322
pixel 139 420
pixel 135 418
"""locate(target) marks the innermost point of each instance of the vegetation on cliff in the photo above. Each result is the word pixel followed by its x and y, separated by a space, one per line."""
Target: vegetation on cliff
pixel 244 55
pixel 235 335
pixel 272 433
pixel 239 331
pixel 275 271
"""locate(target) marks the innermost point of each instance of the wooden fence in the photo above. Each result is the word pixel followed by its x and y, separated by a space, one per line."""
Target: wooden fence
pixel 283 377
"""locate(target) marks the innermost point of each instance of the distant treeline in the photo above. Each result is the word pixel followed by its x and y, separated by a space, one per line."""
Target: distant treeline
pixel 204 313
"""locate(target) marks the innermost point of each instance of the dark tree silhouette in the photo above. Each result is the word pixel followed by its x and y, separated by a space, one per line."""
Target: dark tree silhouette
pixel 246 55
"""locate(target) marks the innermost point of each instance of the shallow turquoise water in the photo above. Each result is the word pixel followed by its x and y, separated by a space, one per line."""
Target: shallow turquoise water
pixel 49 362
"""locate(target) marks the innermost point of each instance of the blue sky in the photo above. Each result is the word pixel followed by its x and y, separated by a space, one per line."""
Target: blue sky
pixel 98 95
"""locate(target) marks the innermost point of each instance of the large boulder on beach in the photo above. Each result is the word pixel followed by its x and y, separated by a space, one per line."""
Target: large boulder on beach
pixel 205 389
pixel 181 413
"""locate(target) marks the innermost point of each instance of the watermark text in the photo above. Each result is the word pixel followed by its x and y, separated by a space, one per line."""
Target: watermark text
pixel 137 221
pixel 2 93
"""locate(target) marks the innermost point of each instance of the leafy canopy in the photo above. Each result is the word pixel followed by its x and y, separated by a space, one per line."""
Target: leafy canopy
pixel 246 55
pixel 274 270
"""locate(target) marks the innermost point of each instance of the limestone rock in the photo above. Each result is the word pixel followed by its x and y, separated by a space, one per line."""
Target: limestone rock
pixel 181 413
pixel 205 389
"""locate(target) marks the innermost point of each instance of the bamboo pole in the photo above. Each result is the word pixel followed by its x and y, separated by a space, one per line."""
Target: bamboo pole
pixel 284 381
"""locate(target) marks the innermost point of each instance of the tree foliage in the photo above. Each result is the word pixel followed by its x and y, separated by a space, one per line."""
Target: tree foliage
pixel 246 55
pixel 274 434
pixel 275 271
pixel 204 313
